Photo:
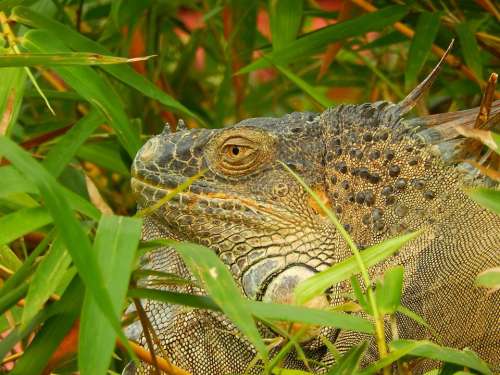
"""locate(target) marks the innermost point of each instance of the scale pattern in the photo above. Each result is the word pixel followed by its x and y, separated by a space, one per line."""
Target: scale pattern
pixel 381 178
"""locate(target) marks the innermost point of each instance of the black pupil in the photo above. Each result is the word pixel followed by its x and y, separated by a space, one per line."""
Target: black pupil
pixel 235 150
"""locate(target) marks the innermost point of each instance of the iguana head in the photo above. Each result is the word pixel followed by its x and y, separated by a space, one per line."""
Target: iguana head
pixel 268 230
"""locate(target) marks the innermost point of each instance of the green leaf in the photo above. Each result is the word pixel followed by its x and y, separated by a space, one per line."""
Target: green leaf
pixel 71 231
pixel 321 281
pixel 489 198
pixel 391 357
pixel 389 290
pixel 63 58
pixel 9 259
pixel 360 296
pixel 314 42
pixel 219 284
pixel 46 341
pixel 21 222
pixel 115 245
pixel 348 364
pixel 13 182
pixel 489 278
pixel 46 279
pixel 291 313
pixel 90 86
pixel 427 349
pixel 470 48
pixel 306 87
pixel 78 42
pixel 65 149
pixel 11 95
pixel 285 19
pixel 104 154
pixel 200 302
pixel 25 269
pixel 425 33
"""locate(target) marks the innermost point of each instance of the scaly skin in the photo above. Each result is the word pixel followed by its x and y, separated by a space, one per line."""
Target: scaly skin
pixel 379 177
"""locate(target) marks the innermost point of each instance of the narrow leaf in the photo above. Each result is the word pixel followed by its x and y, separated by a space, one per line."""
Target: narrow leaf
pixel 63 58
pixel 70 229
pixel 285 19
pixel 318 283
pixel 115 245
pixel 425 33
pixel 389 290
pixel 427 349
pixel 348 364
pixel 11 94
pixel 90 86
pixel 78 42
pixel 219 284
pixel 470 48
pixel 489 198
pixel 314 42
pixel 46 279
pixel 21 222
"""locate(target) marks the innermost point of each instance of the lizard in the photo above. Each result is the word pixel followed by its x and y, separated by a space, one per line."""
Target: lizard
pixel 382 174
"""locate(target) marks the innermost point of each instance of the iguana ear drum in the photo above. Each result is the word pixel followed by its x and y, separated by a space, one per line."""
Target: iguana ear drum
pixel 239 151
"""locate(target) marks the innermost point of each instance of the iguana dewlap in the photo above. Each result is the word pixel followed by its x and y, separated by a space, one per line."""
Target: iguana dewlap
pixel 383 176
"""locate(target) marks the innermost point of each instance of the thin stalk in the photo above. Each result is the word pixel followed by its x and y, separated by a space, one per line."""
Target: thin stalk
pixel 379 320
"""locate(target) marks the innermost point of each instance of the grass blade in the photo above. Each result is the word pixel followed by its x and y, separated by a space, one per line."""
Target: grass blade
pixel 388 292
pixel 348 364
pixel 68 58
pixel 285 19
pixel 46 279
pixel 313 92
pixel 489 198
pixel 314 42
pixel 22 222
pixel 219 284
pixel 115 246
pixel 425 33
pixel 321 281
pixel 470 48
pixel 67 146
pixel 11 96
pixel 71 231
pixel 90 86
pixel 78 42
pixel 427 349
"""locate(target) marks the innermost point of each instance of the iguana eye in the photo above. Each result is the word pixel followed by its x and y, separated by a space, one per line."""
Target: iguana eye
pixel 239 151
pixel 238 154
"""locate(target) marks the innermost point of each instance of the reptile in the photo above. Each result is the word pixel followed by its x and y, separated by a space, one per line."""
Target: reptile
pixel 382 174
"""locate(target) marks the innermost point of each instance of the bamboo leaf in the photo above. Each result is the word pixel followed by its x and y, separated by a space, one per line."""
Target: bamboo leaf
pixel 115 244
pixel 63 59
pixel 489 198
pixel 22 222
pixel 321 281
pixel 46 279
pixel 425 33
pixel 64 150
pixel 71 231
pixel 427 349
pixel 389 290
pixel 348 364
pixel 314 42
pixel 285 19
pixel 11 95
pixel 470 48
pixel 219 283
pixel 80 43
pixel 90 86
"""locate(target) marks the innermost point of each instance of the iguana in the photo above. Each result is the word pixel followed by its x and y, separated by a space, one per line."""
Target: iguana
pixel 382 175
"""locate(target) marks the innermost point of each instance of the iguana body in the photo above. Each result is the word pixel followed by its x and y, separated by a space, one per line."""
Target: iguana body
pixel 379 174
